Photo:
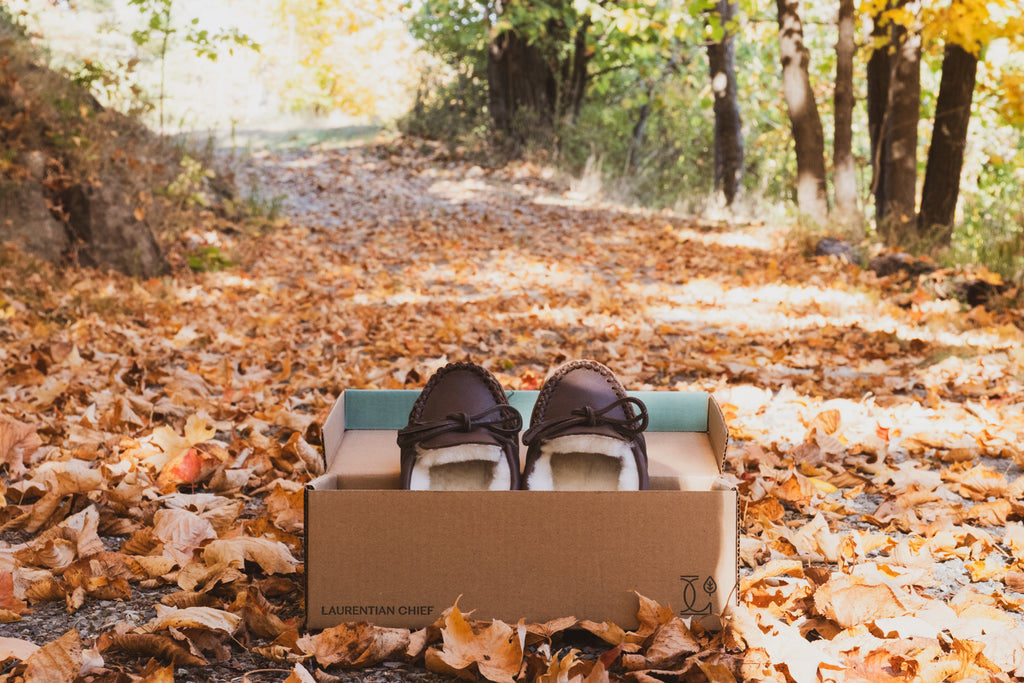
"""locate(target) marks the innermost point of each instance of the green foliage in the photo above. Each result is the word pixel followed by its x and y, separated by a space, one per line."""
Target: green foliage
pixel 450 107
pixel 157 14
pixel 259 206
pixel 208 259
pixel 188 189
pixel 992 229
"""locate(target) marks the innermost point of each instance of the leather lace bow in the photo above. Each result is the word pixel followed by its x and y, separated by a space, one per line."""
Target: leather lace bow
pixel 587 416
pixel 502 421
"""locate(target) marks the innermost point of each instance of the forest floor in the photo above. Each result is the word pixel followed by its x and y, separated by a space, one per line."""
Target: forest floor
pixel 154 435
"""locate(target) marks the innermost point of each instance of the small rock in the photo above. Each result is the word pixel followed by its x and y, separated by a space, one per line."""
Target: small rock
pixel 831 246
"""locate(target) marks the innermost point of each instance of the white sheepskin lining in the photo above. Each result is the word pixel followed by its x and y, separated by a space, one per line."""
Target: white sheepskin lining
pixel 585 462
pixel 469 467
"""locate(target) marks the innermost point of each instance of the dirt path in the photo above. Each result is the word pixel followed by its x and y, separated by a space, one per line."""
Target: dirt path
pixel 876 430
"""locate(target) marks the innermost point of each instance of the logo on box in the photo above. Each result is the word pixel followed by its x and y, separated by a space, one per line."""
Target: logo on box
pixel 696 597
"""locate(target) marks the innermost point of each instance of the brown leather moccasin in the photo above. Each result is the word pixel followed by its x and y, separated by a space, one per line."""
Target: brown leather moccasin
pixel 585 433
pixel 462 434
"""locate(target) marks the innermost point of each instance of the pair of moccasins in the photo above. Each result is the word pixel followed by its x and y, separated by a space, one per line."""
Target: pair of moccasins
pixel 585 433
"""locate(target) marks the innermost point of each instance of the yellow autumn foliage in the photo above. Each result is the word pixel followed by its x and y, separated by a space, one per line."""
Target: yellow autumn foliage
pixel 353 56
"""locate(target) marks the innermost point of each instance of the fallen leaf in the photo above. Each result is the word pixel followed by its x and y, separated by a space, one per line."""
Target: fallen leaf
pixel 355 645
pixel 850 603
pixel 207 618
pixel 496 652
pixel 58 661
pixel 151 645
pixel 672 643
pixel 18 441
pixel 182 533
pixel 272 556
pixel 16 648
pixel 299 675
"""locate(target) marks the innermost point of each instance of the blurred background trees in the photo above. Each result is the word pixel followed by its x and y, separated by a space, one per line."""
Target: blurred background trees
pixel 896 120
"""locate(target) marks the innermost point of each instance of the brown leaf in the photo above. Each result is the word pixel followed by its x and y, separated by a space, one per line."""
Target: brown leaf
pixel 17 442
pixel 58 661
pixel 536 633
pixel 272 556
pixel 672 643
pixel 151 645
pixel 182 532
pixel 355 645
pixel 8 601
pixel 257 614
pixel 154 673
pixel 613 634
pixel 299 675
pixel 197 577
pixel 850 603
pixel 16 648
pixel 827 422
pixel 9 616
pixel 309 458
pixel 285 648
pixel 651 616
pixel 149 567
pixel 286 508
pixel 182 599
pixel 572 669
pixel 143 542
pixel 55 554
pixel 45 590
pixel 207 618
pixel 991 512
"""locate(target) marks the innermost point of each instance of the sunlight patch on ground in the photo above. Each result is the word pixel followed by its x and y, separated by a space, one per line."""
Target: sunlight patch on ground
pixel 463 191
pixel 313 160
pixel 743 239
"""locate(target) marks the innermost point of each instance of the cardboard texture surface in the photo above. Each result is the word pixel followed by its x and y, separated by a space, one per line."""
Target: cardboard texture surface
pixel 400 558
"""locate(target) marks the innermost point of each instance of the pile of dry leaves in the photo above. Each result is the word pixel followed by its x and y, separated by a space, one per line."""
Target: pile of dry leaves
pixel 155 435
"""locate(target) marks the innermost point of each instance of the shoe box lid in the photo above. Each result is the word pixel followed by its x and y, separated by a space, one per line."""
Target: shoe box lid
pixel 686 438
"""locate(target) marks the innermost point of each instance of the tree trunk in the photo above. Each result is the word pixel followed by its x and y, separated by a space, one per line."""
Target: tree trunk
pixel 949 137
pixel 728 126
pixel 521 88
pixel 842 154
pixel 900 154
pixel 879 69
pixel 636 139
pixel 576 73
pixel 808 134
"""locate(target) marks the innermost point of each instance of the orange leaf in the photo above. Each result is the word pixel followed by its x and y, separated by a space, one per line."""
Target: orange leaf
pixel 496 652
pixel 7 599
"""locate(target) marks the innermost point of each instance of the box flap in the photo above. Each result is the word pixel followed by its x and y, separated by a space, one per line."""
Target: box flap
pixel 366 420
pixel 718 431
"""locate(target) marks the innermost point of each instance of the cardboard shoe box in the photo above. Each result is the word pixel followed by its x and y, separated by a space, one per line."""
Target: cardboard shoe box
pixel 393 557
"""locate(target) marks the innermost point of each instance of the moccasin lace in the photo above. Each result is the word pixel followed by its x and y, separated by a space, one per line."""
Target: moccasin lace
pixel 502 421
pixel 588 416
